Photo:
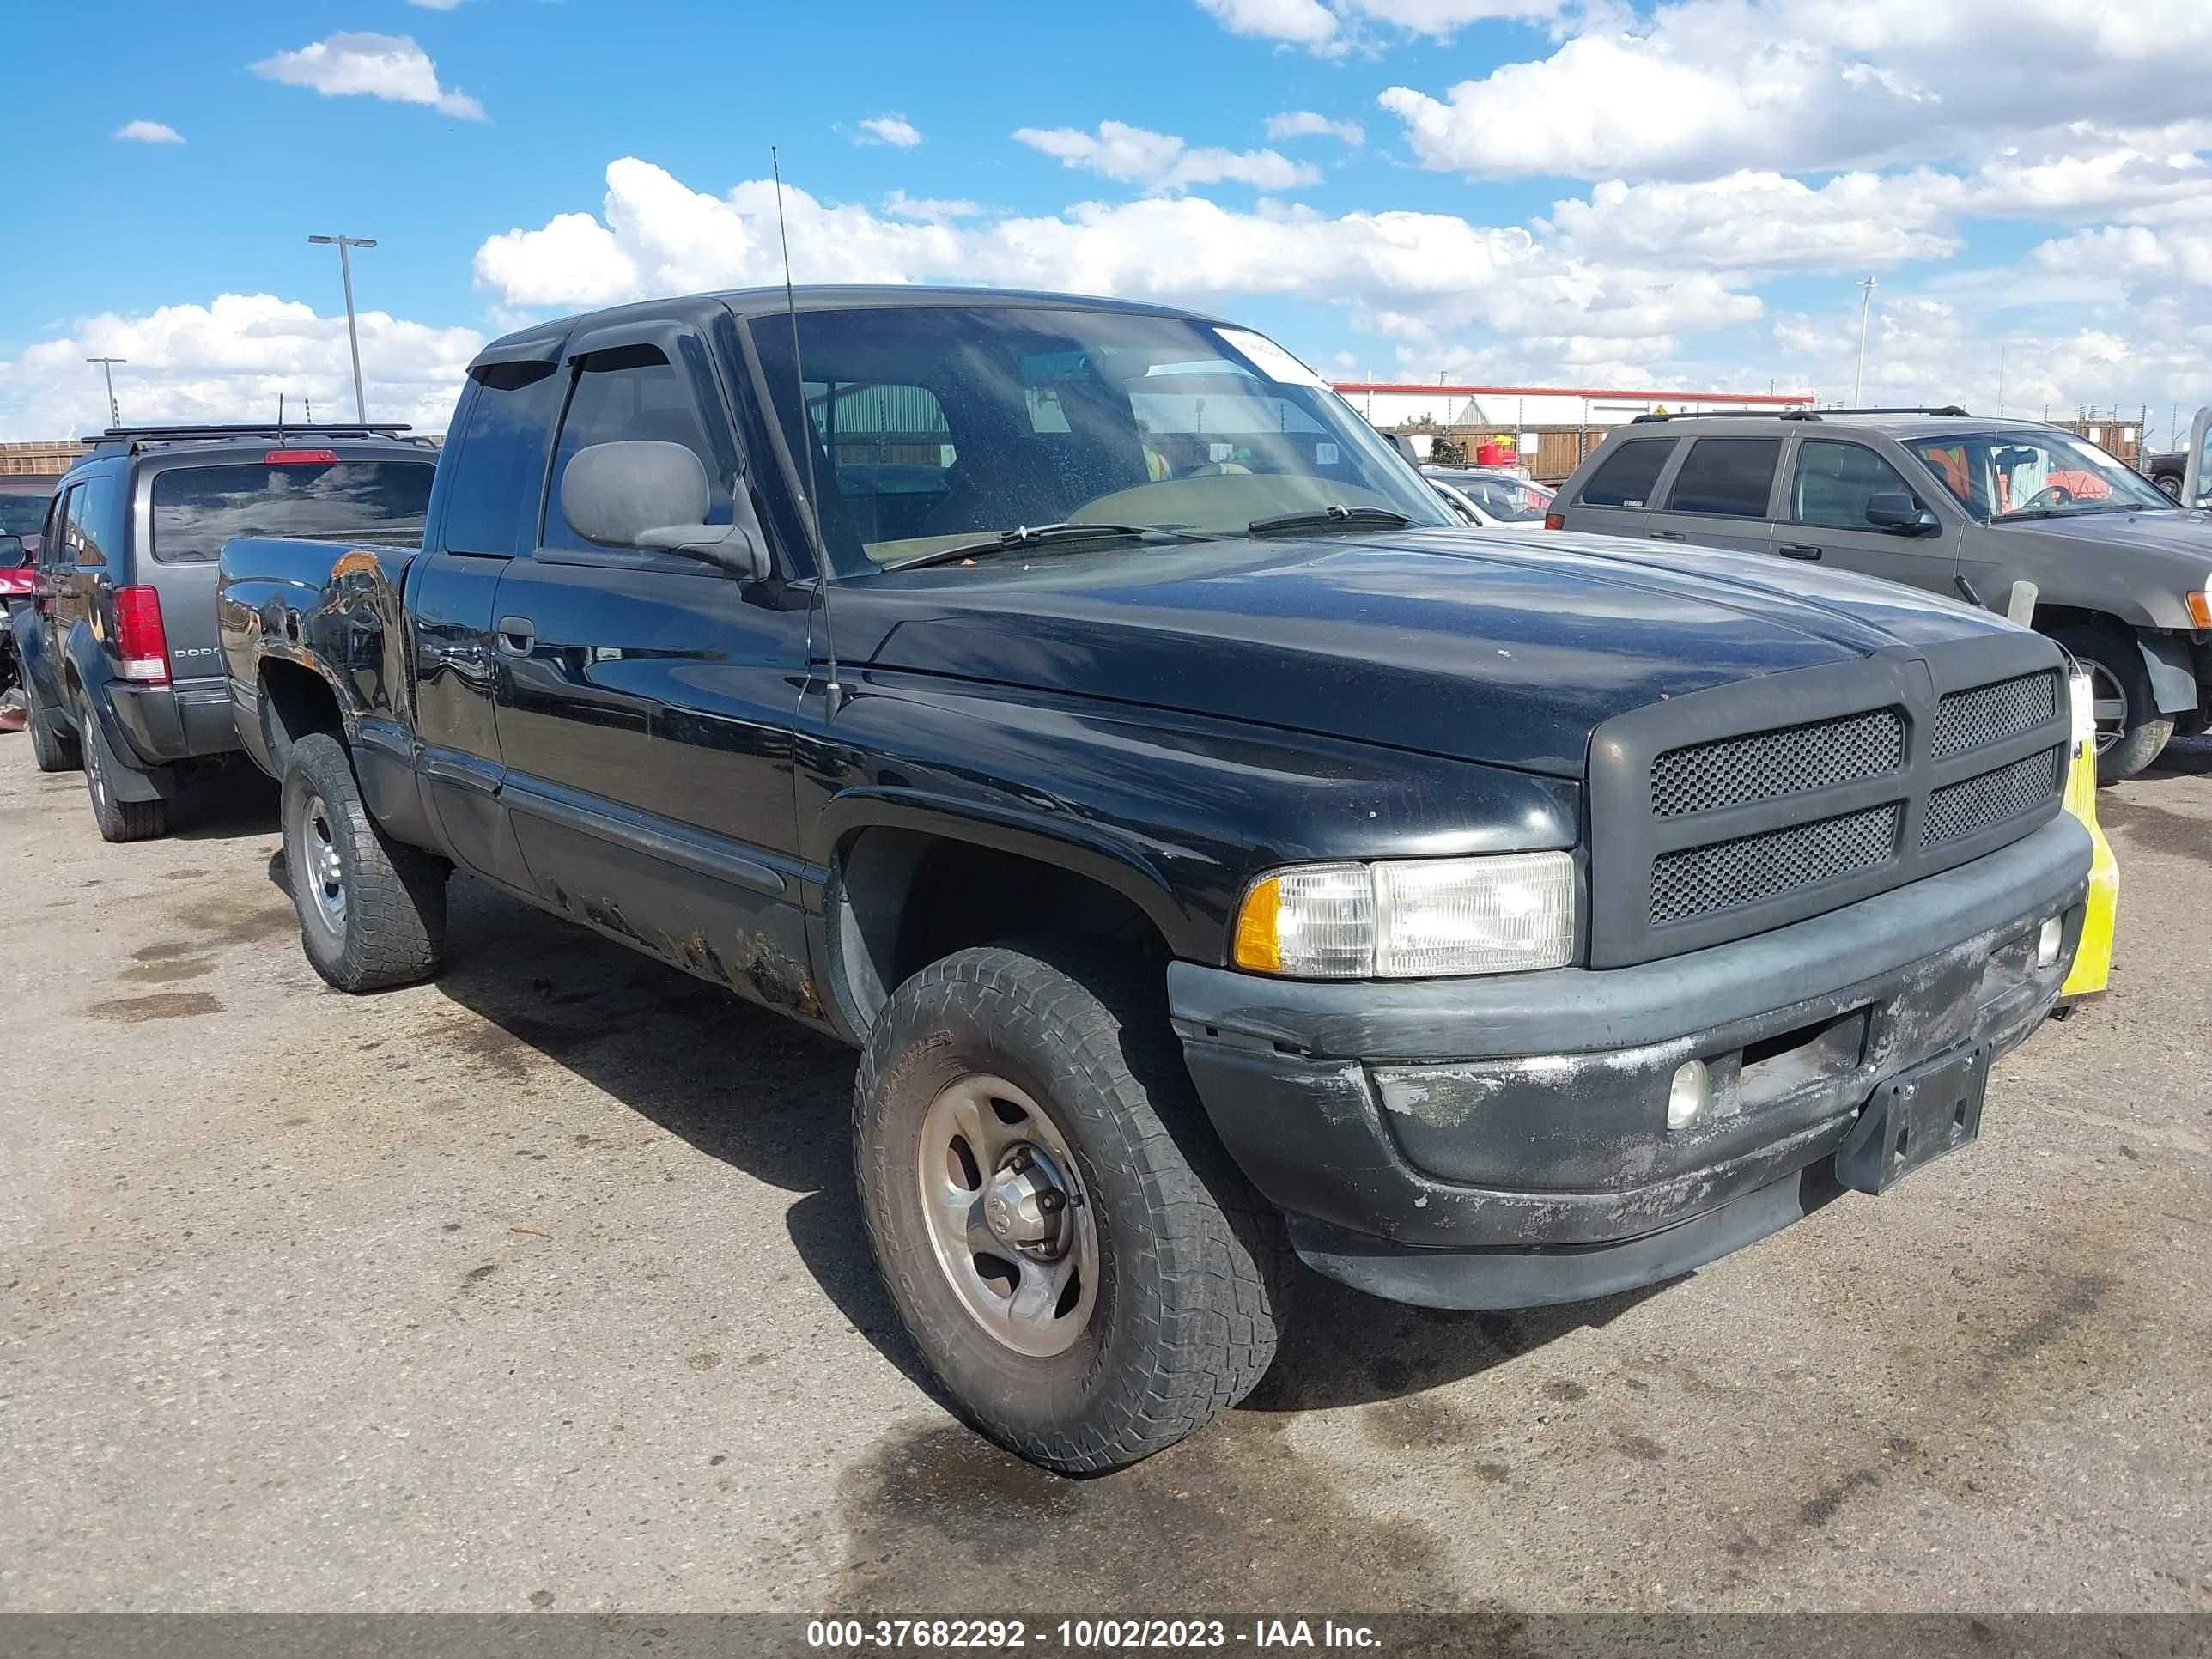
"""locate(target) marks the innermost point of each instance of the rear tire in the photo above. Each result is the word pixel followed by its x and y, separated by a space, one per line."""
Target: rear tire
pixel 51 750
pixel 372 911
pixel 2128 743
pixel 117 820
pixel 2170 484
pixel 1062 1056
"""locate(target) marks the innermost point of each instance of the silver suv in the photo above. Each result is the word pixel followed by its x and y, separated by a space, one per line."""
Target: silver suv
pixel 1939 500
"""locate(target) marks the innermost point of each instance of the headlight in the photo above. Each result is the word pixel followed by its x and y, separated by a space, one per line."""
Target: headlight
pixel 1411 919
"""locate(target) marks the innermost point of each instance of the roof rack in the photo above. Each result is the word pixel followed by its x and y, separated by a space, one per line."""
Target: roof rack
pixel 131 439
pixel 1731 414
pixel 1952 409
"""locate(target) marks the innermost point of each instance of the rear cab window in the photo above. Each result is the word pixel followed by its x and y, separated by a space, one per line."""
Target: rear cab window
pixel 1626 476
pixel 330 497
pixel 1727 478
pixel 492 501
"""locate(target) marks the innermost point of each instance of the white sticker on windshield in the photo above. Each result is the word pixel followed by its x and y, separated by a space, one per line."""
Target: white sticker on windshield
pixel 1219 452
pixel 1325 455
pixel 1270 359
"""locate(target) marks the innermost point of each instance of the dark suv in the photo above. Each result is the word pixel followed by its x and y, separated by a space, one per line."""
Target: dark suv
pixel 120 661
pixel 1938 499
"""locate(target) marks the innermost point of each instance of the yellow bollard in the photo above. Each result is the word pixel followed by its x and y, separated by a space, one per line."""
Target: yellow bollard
pixel 2092 958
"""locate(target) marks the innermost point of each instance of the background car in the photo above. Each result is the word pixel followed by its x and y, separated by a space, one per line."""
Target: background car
pixel 1940 500
pixel 120 665
pixel 1504 499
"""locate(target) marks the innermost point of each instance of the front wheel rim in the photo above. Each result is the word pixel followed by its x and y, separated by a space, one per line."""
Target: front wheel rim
pixel 1010 1225
pixel 2109 701
pixel 323 869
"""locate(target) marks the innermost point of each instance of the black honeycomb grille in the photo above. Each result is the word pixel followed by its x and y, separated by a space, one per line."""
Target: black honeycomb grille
pixel 1991 714
pixel 1957 810
pixel 1767 765
pixel 1701 880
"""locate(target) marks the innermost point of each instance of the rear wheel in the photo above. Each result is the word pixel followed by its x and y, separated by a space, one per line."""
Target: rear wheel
pixel 52 748
pixel 2131 733
pixel 119 820
pixel 372 911
pixel 2170 484
pixel 1084 1272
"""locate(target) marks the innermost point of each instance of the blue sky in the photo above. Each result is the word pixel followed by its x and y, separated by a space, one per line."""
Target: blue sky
pixel 1547 191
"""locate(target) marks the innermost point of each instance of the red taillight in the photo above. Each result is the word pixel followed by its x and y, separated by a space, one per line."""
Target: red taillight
pixel 1555 521
pixel 140 639
pixel 300 458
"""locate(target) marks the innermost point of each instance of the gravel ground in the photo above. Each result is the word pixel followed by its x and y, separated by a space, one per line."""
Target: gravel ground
pixel 543 1285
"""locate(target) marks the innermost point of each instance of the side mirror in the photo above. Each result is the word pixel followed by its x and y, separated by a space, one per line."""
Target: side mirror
pixel 13 555
pixel 1894 510
pixel 646 493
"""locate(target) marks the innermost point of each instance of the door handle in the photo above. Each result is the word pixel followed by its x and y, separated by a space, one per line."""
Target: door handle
pixel 1668 535
pixel 1798 551
pixel 517 634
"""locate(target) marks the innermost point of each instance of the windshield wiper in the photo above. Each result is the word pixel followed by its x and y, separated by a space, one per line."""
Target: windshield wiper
pixel 1336 516
pixel 1031 535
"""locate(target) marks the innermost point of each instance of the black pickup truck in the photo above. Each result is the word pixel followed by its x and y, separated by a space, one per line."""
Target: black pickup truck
pixel 1216 852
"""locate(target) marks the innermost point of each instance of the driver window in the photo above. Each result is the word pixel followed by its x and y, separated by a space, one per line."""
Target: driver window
pixel 1834 483
pixel 631 392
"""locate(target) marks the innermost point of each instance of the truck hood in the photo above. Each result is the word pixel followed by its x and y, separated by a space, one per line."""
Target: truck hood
pixel 1504 649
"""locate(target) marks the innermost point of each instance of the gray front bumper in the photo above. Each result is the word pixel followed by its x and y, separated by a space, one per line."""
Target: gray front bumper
pixel 1527 1112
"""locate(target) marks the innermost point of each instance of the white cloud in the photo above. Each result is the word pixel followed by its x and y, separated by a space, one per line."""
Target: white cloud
pixel 900 205
pixel 1415 276
pixel 1306 124
pixel 1765 221
pixel 1702 87
pixel 893 130
pixel 1302 23
pixel 228 361
pixel 148 132
pixel 391 67
pixel 1329 28
pixel 1159 161
pixel 2132 254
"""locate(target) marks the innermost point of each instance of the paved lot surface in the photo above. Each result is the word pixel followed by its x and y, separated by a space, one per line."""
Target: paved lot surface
pixel 543 1285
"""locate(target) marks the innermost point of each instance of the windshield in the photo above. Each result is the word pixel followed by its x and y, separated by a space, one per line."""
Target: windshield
pixel 197 509
pixel 2011 477
pixel 933 428
pixel 1506 499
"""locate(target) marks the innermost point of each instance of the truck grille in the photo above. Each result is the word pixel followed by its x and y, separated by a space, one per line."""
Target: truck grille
pixel 1702 879
pixel 1991 714
pixel 1749 807
pixel 1767 765
pixel 1960 809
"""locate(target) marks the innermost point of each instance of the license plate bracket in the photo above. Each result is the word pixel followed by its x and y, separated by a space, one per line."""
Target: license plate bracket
pixel 1916 1117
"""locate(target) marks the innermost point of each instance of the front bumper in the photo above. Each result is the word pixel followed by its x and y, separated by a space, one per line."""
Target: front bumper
pixel 1500 1142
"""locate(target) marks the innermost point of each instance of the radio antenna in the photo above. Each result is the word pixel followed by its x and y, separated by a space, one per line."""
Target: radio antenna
pixel 834 691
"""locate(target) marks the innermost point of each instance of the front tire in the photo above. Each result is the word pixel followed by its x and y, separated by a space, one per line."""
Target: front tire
pixel 1086 1275
pixel 2131 733
pixel 372 911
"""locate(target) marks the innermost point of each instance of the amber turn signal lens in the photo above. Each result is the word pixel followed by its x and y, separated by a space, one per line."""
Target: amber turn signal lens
pixel 2200 608
pixel 1259 932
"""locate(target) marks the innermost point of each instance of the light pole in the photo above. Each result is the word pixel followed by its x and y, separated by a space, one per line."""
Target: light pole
pixel 107 371
pixel 1866 305
pixel 353 334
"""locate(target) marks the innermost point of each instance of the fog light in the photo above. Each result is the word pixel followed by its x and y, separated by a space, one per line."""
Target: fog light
pixel 2047 941
pixel 1686 1097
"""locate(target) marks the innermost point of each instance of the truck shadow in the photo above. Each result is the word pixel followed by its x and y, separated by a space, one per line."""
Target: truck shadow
pixel 239 801
pixel 767 1097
